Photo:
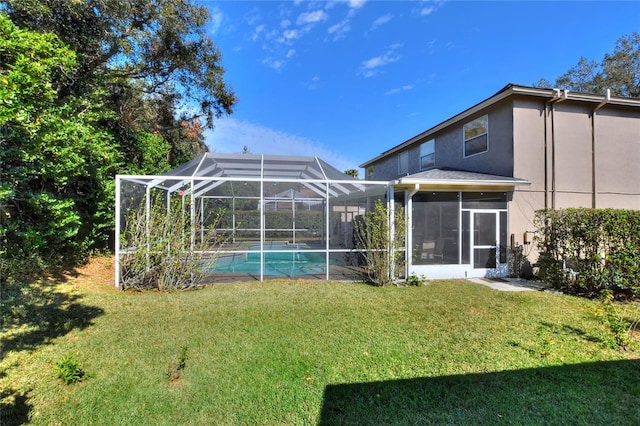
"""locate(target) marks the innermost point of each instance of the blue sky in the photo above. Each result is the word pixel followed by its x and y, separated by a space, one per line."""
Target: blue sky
pixel 347 80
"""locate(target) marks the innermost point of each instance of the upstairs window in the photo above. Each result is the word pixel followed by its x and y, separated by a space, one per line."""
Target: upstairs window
pixel 403 163
pixel 476 139
pixel 428 155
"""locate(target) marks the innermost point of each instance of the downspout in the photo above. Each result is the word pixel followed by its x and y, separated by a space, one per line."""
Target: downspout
pixel 594 164
pixel 556 99
pixel 556 95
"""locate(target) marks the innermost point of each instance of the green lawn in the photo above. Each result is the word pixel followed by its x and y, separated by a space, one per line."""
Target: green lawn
pixel 302 352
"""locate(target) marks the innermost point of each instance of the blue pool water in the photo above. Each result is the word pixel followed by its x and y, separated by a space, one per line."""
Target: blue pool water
pixel 279 264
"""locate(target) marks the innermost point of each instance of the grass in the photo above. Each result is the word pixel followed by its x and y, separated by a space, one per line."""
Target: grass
pixel 312 352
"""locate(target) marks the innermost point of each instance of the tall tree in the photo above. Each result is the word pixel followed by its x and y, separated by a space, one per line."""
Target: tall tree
pixel 155 58
pixel 621 69
pixel 618 71
pixel 56 163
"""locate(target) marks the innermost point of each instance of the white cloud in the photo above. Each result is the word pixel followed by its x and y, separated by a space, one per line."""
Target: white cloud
pixel 340 29
pixel 231 135
pixel 357 3
pixel 427 7
pixel 396 90
pixel 312 17
pixel 276 64
pixel 290 35
pixel 371 67
pixel 257 31
pixel 381 21
pixel 314 84
pixel 216 20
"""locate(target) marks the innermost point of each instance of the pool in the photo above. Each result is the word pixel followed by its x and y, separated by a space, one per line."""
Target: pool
pixel 276 264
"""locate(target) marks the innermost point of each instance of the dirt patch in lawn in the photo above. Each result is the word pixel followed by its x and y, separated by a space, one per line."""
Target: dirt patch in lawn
pixel 97 275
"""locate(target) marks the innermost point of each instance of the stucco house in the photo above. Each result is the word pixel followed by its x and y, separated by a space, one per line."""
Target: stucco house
pixel 471 184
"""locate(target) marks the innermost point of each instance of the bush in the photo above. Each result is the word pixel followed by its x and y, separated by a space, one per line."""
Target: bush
pixel 163 250
pixel 383 252
pixel 590 250
pixel 69 370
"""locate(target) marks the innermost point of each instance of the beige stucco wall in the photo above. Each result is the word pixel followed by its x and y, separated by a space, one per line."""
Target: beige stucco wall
pixel 569 138
pixel 618 159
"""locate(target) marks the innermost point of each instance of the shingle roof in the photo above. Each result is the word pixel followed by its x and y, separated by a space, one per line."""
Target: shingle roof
pixel 462 177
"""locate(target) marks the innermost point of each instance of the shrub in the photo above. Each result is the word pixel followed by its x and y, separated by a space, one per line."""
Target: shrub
pixel 174 372
pixel 382 250
pixel 163 248
pixel 619 318
pixel 68 369
pixel 415 280
pixel 590 250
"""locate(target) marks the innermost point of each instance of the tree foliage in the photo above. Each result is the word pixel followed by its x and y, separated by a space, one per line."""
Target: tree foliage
pixel 352 172
pixel 56 163
pixel 88 89
pixel 162 45
pixel 618 71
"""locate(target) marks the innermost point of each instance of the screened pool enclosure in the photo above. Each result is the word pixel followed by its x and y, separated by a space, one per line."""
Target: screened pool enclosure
pixel 248 215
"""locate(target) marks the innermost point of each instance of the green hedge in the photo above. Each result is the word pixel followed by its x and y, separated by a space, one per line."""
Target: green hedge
pixel 590 250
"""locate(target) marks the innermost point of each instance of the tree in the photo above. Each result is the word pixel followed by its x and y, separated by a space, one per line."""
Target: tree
pixel 619 71
pixel 88 89
pixel 152 43
pixel 56 162
pixel 352 172
pixel 155 59
pixel 581 78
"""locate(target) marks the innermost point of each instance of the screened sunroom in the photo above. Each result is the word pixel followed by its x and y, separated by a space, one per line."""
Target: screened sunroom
pixel 249 216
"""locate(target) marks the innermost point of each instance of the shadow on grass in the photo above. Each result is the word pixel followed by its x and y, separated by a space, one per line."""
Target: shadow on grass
pixel 33 314
pixel 593 393
pixel 14 408
pixel 36 313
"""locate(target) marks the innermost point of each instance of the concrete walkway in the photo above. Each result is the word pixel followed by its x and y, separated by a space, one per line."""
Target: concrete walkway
pixel 511 284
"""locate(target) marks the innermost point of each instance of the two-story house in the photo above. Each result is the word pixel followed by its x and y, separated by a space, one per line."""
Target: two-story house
pixel 471 184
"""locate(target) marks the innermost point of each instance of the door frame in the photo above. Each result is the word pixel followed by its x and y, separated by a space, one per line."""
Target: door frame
pixel 501 264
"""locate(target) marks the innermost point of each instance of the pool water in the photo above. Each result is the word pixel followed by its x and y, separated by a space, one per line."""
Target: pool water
pixel 279 264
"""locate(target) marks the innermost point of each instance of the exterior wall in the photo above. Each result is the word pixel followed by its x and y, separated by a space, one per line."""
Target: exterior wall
pixel 617 155
pixel 569 141
pixel 571 147
pixel 496 161
pixel 529 163
pixel 449 149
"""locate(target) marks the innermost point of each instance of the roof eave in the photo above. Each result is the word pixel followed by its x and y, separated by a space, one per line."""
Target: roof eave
pixel 459 183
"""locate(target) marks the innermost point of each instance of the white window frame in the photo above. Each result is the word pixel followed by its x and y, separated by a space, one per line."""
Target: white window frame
pixel 427 149
pixel 403 163
pixel 469 133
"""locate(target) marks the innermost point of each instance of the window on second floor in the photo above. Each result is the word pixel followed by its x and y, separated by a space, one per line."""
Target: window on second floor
pixel 428 155
pixel 476 139
pixel 403 163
